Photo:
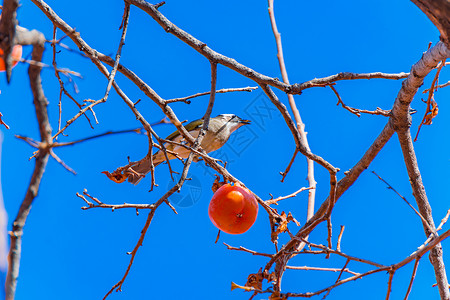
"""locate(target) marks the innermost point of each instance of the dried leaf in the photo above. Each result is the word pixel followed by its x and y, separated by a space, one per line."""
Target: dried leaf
pixel 116 176
pixel 217 183
pixel 237 286
pixel 432 114
pixel 290 218
pixel 282 226
pixel 277 296
pixel 255 280
pixel 270 277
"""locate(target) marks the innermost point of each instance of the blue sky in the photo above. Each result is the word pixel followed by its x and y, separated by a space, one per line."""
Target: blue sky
pixel 73 254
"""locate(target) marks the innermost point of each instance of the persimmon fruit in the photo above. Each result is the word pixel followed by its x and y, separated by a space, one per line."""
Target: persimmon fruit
pixel 233 209
pixel 16 56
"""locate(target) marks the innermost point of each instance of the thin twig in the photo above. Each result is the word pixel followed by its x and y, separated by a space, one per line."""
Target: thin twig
pixel 275 201
pixel 339 277
pixel 44 65
pixel 443 221
pixel 62 163
pixel 288 168
pixel 150 215
pixel 417 254
pixel 413 276
pixel 185 99
pixel 261 79
pixel 326 250
pixel 338 246
pixel 247 250
pixel 62 89
pixel 300 125
pixel 389 288
pixel 404 199
pixel 440 86
pixel 112 206
pixel 112 74
pixel 357 111
pixel 308 268
pixel 136 130
pixel 344 269
pixel 431 110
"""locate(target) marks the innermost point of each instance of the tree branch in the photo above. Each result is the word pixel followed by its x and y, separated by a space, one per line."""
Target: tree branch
pixel 438 11
pixel 401 121
pixel 8 25
pixel 261 79
pixel 36 39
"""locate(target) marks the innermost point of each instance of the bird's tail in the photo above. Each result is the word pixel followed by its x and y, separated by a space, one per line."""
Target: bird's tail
pixel 138 171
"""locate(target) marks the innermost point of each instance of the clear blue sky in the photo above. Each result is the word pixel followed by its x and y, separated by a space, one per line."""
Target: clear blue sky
pixel 74 254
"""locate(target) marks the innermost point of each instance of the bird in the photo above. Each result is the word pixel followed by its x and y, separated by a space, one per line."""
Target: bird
pixel 219 131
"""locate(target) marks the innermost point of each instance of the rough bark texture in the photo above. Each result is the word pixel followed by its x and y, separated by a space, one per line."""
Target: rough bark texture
pixel 438 11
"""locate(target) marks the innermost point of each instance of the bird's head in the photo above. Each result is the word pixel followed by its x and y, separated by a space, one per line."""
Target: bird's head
pixel 231 121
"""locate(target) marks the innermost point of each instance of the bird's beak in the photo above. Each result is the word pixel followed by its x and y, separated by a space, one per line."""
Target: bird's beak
pixel 245 122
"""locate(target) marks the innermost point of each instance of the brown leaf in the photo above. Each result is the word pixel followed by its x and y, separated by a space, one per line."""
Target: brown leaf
pixel 255 280
pixel 217 183
pixel 277 296
pixel 270 277
pixel 116 176
pixel 237 286
pixel 290 218
pixel 432 114
pixel 282 226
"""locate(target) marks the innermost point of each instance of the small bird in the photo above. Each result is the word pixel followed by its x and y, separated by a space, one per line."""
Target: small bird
pixel 219 131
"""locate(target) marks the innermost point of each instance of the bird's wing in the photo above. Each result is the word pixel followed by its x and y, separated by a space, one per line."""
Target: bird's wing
pixel 189 127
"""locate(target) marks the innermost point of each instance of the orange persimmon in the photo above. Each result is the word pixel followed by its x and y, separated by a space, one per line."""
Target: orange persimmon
pixel 16 56
pixel 233 209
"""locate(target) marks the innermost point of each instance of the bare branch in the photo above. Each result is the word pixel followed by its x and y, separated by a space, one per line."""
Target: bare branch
pixel 112 74
pixel 407 202
pixel 288 168
pixel 62 163
pixel 357 111
pixel 413 275
pixel 391 269
pixel 400 116
pixel 438 11
pixel 444 220
pixel 415 178
pixel 432 108
pixel 186 99
pixel 308 268
pixel 112 206
pixel 389 289
pixel 326 250
pixel 401 121
pixel 150 215
pixel 326 81
pixel 247 250
pixel 261 79
pixel 40 102
pixel 62 89
pixel 439 86
pixel 338 245
pixel 275 201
